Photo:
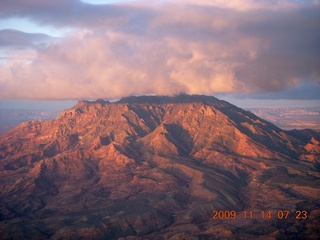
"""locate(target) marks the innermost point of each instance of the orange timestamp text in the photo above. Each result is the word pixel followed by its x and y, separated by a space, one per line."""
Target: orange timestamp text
pixel 264 214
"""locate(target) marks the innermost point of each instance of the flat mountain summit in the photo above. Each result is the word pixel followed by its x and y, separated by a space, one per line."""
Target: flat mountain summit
pixel 158 167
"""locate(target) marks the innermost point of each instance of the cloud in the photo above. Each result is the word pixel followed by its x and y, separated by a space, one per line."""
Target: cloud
pixel 15 38
pixel 61 13
pixel 167 47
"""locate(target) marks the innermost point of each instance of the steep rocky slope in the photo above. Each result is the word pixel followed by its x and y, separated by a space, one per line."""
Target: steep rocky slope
pixel 157 168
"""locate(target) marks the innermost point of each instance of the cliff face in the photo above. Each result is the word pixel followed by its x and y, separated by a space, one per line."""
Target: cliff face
pixel 156 167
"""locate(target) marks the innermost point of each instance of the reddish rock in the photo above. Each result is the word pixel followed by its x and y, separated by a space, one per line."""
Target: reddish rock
pixel 155 168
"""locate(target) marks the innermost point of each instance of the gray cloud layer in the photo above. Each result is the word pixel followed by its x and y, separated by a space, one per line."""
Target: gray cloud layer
pixel 15 38
pixel 198 47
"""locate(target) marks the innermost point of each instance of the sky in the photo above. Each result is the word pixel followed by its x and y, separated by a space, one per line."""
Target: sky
pixel 242 51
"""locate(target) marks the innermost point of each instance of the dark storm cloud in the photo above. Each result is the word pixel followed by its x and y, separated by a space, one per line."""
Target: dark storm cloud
pixel 198 47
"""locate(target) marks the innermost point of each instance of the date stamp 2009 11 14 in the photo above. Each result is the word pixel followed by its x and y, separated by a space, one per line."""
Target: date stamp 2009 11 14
pixel 280 214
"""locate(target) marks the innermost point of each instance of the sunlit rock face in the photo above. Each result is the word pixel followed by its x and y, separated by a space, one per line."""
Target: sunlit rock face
pixel 156 168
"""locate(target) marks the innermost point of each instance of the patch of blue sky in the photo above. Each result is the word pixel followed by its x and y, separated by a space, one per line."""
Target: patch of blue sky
pixel 28 26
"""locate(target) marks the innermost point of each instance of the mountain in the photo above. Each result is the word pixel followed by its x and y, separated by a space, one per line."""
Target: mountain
pixel 158 167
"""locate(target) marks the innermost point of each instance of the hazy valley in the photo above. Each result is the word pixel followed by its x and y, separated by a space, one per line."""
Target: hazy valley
pixel 11 118
pixel 289 118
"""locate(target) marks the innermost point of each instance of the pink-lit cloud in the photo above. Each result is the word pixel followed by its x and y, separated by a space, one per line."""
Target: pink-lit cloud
pixel 167 47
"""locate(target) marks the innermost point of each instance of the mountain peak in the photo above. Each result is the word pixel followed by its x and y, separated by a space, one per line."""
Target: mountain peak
pixel 182 98
pixel 151 166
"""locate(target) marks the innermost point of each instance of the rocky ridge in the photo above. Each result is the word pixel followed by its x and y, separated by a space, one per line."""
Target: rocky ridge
pixel 155 168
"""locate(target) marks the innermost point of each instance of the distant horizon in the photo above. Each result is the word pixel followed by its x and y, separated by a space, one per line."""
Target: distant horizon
pixel 29 104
